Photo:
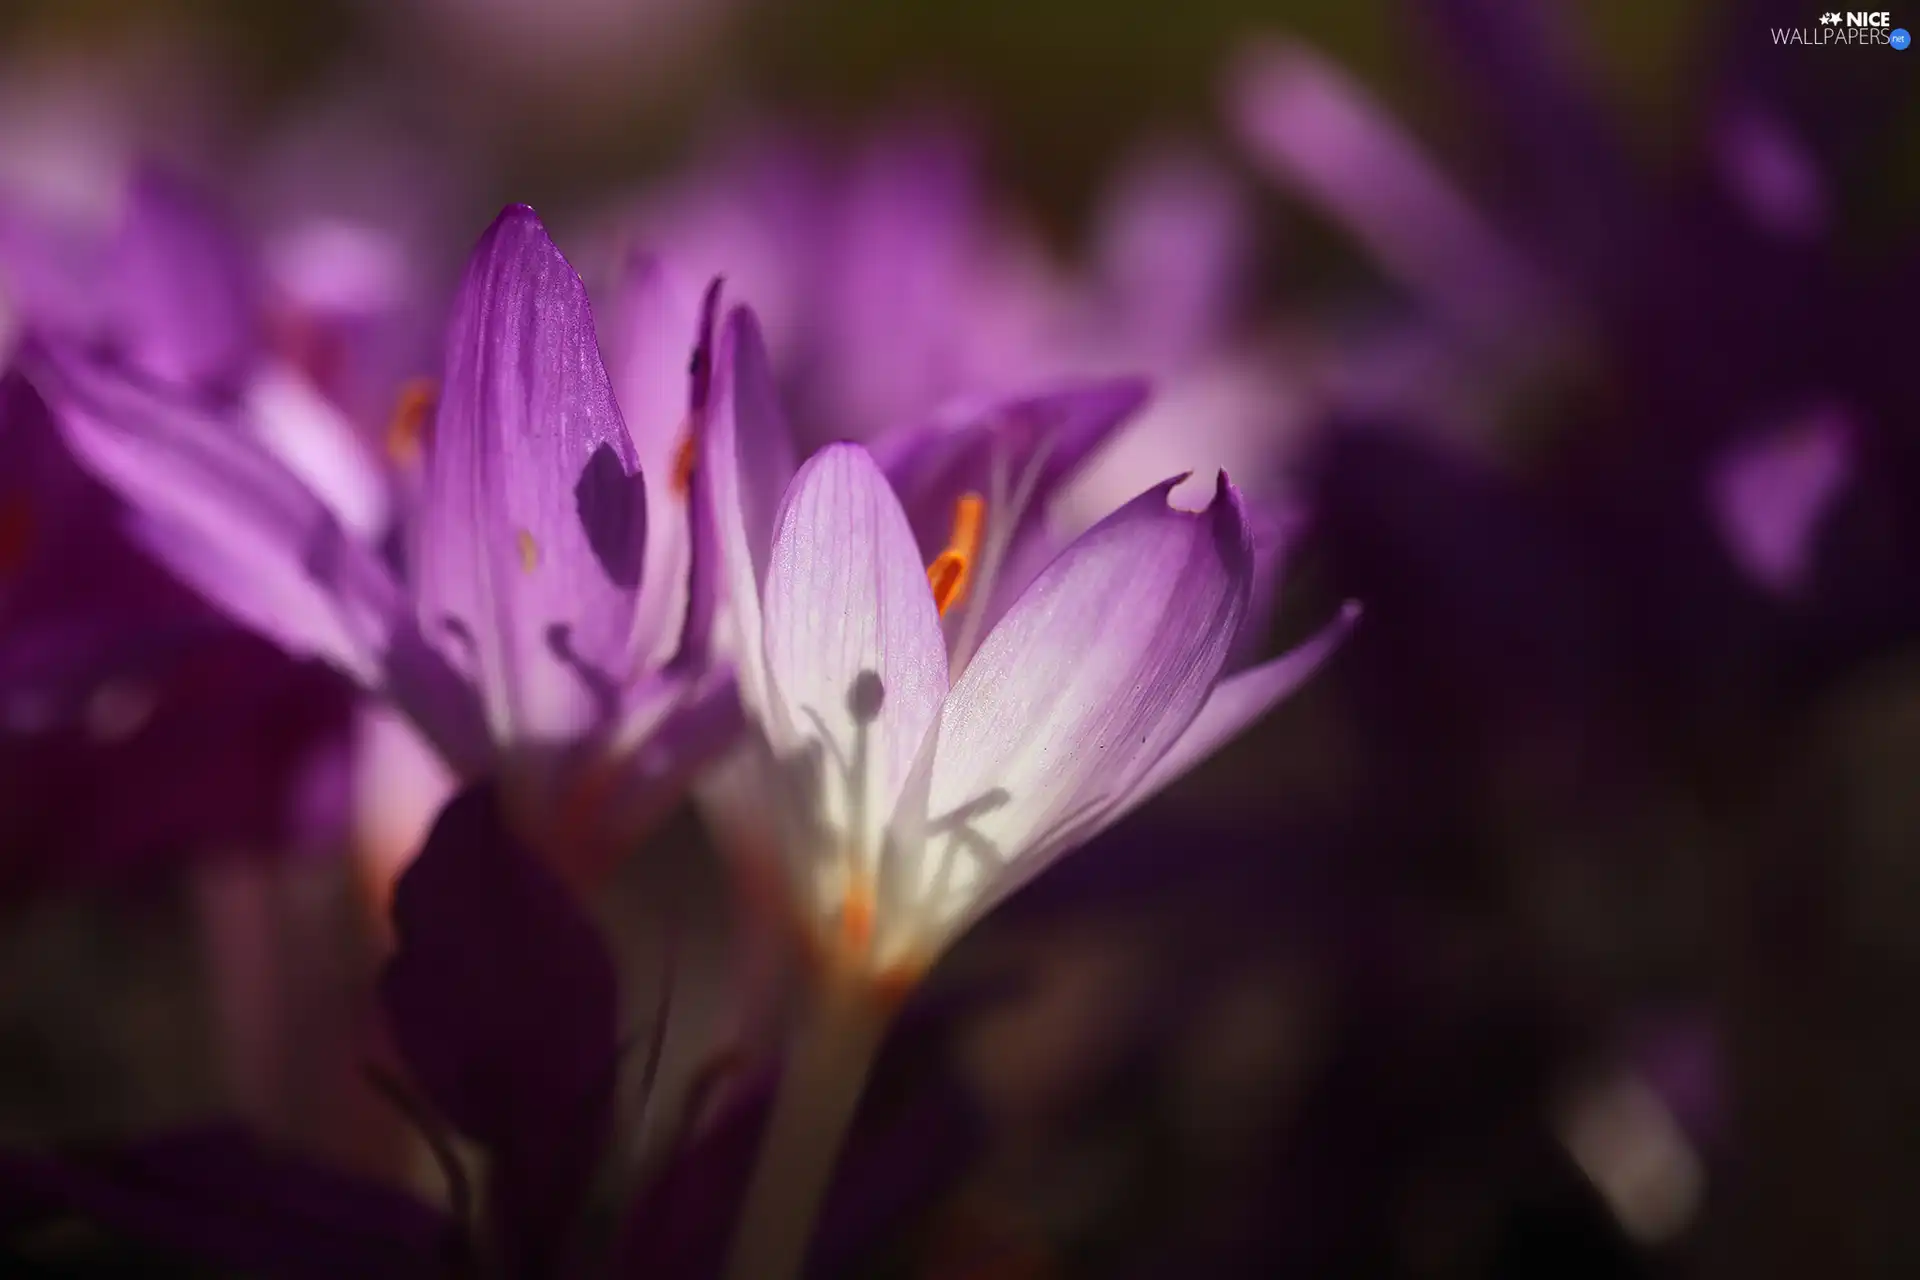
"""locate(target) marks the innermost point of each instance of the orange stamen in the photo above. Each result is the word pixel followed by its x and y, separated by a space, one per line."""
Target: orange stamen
pixel 412 419
pixel 18 532
pixel 685 456
pixel 952 570
pixel 858 914
pixel 529 550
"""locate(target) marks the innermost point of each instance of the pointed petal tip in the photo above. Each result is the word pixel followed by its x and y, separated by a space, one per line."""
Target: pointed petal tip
pixel 518 233
pixel 519 218
pixel 741 324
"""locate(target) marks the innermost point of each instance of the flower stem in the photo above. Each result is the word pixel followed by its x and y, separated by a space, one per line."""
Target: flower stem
pixel 813 1108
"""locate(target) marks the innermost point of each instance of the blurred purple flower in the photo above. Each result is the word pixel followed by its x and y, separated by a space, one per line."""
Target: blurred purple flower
pixel 551 626
pixel 1736 471
pixel 895 297
pixel 113 677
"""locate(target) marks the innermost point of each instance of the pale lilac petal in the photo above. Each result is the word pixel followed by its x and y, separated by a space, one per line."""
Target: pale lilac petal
pixel 532 525
pixel 746 462
pixel 855 657
pixel 400 784
pixel 1237 702
pixel 1320 133
pixel 1768 496
pixel 649 342
pixel 225 515
pixel 651 345
pixel 1092 676
pixel 332 456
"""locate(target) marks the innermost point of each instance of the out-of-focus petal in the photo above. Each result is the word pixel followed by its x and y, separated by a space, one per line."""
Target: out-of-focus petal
pixel 400 785
pixel 854 651
pixel 746 461
pixel 1175 247
pixel 186 291
pixel 320 446
pixel 1771 174
pixel 1092 676
pixel 503 1002
pixel 224 515
pixel 906 245
pixel 533 518
pixel 1769 494
pixel 1237 702
pixel 1319 132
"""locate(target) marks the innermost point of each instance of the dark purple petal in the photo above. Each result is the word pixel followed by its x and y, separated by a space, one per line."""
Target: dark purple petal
pixel 502 1001
pixel 1016 453
pixel 1040 437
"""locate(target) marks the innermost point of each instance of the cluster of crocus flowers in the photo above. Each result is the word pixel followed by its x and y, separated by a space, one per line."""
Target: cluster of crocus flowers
pixel 604 569
pixel 546 628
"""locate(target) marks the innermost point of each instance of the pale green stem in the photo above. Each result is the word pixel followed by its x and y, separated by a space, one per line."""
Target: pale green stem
pixel 813 1108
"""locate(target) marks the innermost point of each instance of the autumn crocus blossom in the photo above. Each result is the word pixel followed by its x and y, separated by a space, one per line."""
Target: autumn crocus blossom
pixel 920 777
pixel 549 629
pixel 916 785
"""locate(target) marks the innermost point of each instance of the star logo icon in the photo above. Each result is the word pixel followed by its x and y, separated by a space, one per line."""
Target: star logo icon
pixel 1830 19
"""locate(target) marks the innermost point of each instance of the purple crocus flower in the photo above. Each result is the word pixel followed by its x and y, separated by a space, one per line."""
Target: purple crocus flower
pixel 115 680
pixel 925 771
pixel 549 628
pixel 1657 279
pixel 108 665
pixel 917 773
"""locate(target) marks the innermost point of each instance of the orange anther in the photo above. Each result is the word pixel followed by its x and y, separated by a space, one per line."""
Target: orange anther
pixel 858 913
pixel 412 417
pixel 952 569
pixel 685 456
pixel 529 550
